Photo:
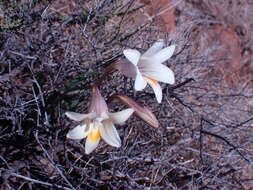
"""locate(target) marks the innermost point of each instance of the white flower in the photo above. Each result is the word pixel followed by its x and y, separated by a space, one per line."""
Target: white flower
pixel 98 123
pixel 149 67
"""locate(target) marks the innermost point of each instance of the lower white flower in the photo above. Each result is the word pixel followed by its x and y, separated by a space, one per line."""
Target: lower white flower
pixel 149 67
pixel 99 123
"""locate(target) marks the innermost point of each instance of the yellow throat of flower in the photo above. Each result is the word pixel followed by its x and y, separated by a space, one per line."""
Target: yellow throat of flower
pixel 94 135
pixel 151 81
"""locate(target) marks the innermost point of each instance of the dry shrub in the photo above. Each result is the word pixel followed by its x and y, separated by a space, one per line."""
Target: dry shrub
pixel 205 141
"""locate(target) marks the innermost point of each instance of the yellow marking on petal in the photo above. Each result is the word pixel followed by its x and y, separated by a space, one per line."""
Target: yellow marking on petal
pixel 94 135
pixel 151 81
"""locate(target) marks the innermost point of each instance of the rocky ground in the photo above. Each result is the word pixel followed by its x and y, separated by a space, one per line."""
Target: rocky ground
pixel 50 52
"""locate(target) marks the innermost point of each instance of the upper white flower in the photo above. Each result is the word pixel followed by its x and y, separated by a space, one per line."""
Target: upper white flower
pixel 149 67
pixel 98 123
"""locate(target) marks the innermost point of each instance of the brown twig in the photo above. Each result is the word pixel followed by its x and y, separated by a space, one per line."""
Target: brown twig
pixel 40 182
pixel 52 162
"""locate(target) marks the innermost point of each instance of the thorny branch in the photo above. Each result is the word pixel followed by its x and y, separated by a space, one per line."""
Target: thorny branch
pixel 39 182
pixel 52 162
pixel 226 141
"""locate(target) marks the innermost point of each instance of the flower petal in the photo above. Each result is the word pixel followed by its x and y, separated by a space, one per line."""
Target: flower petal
pixel 77 116
pixel 121 116
pixel 140 82
pixel 156 47
pixel 79 132
pixel 125 68
pixel 90 145
pixel 94 134
pixel 159 72
pixel 132 55
pixel 164 54
pixel 110 134
pixel 98 104
pixel 157 89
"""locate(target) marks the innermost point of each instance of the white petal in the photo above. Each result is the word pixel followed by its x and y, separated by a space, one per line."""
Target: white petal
pixel 132 55
pixel 79 132
pixel 121 116
pixel 104 116
pixel 158 91
pixel 159 72
pixel 109 134
pixel 90 145
pixel 77 116
pixel 164 54
pixel 156 47
pixel 140 82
